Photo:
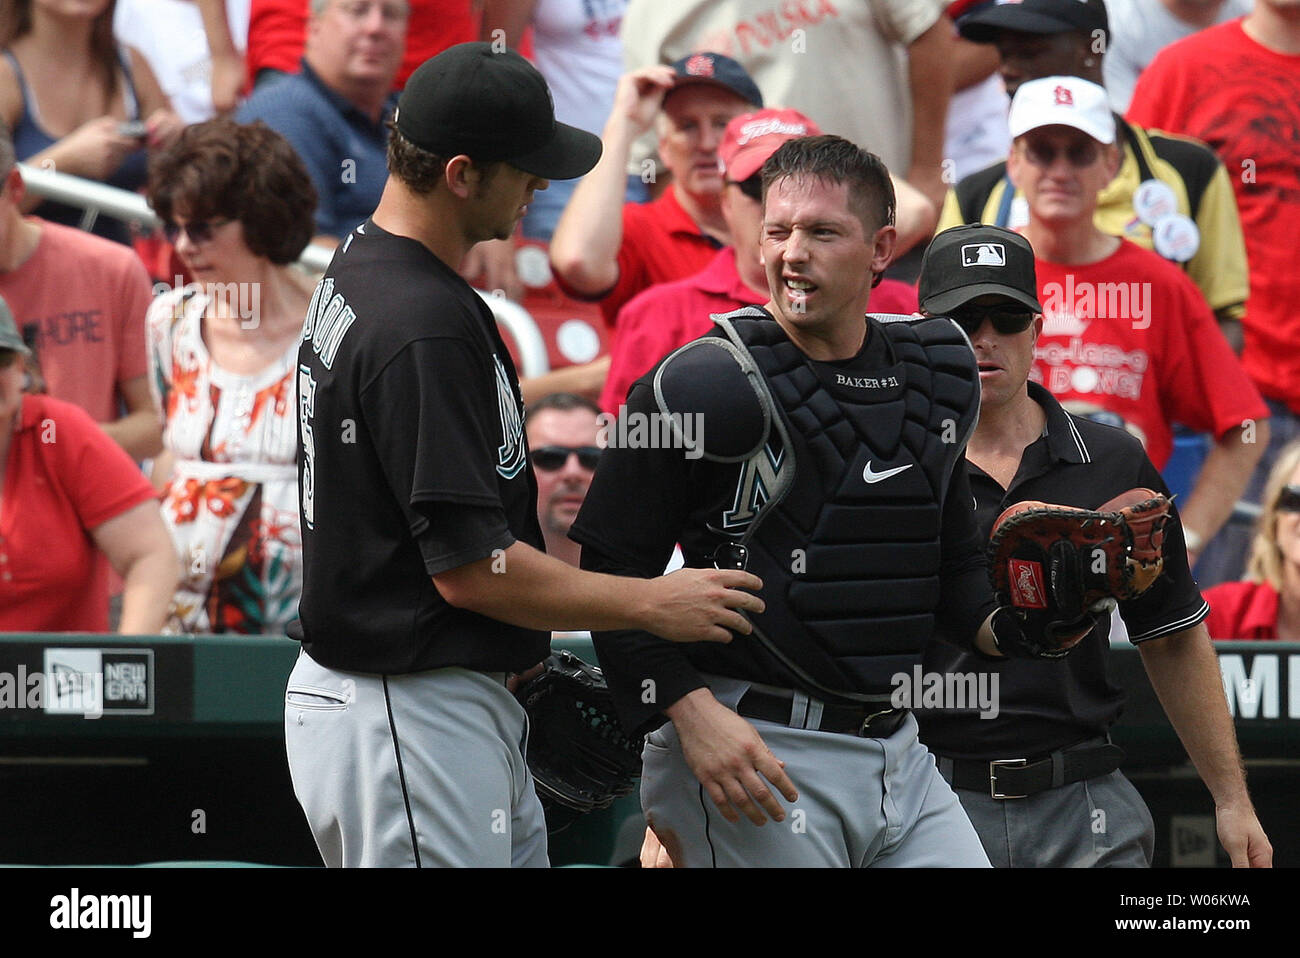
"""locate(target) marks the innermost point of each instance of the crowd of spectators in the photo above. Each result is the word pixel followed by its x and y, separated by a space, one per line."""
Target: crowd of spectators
pixel 1136 161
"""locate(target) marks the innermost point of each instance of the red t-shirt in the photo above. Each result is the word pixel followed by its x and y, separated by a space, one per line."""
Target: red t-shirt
pixel 661 318
pixel 661 243
pixel 1131 334
pixel 1243 99
pixel 277 33
pixel 64 478
pixel 87 297
pixel 1242 610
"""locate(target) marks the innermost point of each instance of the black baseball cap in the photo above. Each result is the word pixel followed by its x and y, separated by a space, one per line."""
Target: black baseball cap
pixel 491 106
pixel 966 262
pixel 720 71
pixel 1035 16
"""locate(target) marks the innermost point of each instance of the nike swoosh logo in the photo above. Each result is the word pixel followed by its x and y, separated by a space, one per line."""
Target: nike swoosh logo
pixel 871 476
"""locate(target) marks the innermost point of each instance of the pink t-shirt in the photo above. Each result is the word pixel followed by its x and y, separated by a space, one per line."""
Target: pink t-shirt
pixel 87 297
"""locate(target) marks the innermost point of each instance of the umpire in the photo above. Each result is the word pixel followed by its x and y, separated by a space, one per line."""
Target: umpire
pixel 425 580
pixel 1040 780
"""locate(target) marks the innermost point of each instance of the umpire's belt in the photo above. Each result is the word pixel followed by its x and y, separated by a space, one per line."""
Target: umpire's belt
pixel 1020 778
pixel 801 711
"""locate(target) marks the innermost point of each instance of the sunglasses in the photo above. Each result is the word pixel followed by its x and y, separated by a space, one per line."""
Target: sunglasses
pixel 1007 320
pixel 1289 501
pixel 551 458
pixel 199 231
pixel 752 187
pixel 1080 155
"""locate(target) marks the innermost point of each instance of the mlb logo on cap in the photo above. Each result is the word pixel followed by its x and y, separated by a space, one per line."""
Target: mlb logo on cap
pixel 966 262
pixel 984 254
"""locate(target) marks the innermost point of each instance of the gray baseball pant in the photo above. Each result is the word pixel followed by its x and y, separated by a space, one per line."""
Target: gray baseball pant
pixel 423 769
pixel 1098 823
pixel 863 803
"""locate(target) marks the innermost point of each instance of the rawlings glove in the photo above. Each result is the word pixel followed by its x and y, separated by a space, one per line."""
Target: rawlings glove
pixel 579 755
pixel 1056 569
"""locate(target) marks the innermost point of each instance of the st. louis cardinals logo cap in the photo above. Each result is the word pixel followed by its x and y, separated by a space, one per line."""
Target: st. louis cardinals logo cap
pixel 1062 101
pixel 491 106
pixel 752 137
pixel 1035 16
pixel 719 71
pixel 965 262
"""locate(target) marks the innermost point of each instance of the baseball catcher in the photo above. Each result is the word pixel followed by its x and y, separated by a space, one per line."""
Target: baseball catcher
pixel 580 757
pixel 1056 567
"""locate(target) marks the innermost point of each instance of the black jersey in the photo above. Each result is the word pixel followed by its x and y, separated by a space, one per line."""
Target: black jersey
pixel 412 461
pixel 1043 704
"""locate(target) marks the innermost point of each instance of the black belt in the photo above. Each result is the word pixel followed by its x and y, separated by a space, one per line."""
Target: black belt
pixel 1020 778
pixel 863 721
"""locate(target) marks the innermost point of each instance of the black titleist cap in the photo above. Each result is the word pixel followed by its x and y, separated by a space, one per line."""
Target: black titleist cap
pixel 491 106
pixel 1035 16
pixel 965 262
pixel 719 71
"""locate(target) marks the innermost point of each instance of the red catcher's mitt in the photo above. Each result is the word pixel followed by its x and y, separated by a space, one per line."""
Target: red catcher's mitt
pixel 1055 565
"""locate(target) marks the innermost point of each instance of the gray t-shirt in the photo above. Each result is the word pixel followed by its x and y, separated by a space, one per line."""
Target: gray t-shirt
pixel 1139 29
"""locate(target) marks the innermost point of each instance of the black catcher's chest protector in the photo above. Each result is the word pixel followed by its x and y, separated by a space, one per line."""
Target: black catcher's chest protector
pixel 841 508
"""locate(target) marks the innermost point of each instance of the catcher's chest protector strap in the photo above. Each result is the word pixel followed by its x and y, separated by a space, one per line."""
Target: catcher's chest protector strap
pixel 841 509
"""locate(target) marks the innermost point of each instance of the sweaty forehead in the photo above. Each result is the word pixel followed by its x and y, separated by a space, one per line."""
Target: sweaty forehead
pixel 801 197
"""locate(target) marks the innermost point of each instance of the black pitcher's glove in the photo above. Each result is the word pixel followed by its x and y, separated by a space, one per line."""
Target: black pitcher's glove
pixel 579 755
pixel 1056 568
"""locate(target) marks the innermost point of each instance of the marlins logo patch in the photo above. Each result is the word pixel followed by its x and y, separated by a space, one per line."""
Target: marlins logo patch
pixel 510 454
pixel 759 478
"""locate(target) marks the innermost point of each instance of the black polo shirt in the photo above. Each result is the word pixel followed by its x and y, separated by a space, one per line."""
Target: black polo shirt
pixel 1044 705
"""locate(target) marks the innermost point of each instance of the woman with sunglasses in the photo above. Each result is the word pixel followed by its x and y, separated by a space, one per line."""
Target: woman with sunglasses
pixel 1266 605
pixel 237 203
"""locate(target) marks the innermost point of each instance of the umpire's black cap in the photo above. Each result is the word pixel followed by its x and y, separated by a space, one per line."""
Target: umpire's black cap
pixel 965 262
pixel 491 106
pixel 1035 16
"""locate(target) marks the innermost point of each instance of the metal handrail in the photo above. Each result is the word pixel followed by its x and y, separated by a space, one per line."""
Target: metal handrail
pixel 99 198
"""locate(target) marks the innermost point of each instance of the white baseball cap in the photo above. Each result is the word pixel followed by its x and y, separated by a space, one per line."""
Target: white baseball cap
pixel 1062 101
